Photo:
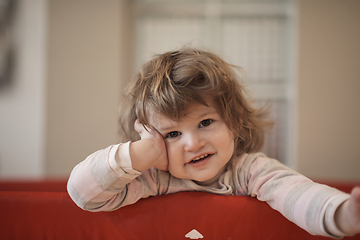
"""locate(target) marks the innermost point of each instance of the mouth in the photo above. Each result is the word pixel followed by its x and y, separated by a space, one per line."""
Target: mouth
pixel 200 159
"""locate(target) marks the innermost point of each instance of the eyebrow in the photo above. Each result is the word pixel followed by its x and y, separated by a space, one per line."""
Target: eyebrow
pixel 206 111
pixel 166 127
pixel 199 115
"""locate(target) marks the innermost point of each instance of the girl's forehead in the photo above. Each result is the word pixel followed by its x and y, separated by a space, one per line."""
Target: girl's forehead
pixel 197 110
pixel 194 111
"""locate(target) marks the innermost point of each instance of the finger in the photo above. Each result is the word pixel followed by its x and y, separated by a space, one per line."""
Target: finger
pixel 356 193
pixel 153 128
pixel 138 126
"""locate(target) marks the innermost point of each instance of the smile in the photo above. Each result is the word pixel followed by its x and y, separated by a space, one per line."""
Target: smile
pixel 200 159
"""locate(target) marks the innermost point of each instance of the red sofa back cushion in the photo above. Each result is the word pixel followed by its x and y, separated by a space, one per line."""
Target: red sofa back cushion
pixel 53 215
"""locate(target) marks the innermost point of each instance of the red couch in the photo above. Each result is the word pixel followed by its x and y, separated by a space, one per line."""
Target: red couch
pixel 43 210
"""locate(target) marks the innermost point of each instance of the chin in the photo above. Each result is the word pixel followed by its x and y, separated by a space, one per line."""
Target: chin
pixel 197 177
pixel 205 179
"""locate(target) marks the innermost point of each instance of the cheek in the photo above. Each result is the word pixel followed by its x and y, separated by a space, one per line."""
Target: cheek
pixel 232 147
pixel 172 153
pixel 227 141
pixel 176 160
pixel 226 135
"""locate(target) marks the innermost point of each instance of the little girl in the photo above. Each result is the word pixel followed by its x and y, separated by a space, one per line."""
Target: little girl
pixel 188 127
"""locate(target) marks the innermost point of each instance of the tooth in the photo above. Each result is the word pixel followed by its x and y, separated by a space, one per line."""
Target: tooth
pixel 203 156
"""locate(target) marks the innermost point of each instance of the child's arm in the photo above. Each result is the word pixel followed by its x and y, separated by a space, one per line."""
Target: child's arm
pixel 119 175
pixel 347 217
pixel 310 205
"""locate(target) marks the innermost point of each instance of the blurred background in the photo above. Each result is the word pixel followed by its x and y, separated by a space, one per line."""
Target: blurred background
pixel 64 64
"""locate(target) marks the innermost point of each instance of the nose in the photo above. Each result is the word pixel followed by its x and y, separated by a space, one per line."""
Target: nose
pixel 193 142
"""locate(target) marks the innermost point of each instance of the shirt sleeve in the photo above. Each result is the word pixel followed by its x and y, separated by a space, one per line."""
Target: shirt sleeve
pixel 308 204
pixel 106 181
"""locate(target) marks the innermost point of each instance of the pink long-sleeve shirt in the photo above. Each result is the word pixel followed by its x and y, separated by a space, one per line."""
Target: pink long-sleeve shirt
pixel 106 181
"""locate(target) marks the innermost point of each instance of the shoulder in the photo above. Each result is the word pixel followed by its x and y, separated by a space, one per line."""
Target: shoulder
pixel 245 160
pixel 252 165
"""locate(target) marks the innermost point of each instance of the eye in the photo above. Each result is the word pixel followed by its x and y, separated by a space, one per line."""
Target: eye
pixel 173 134
pixel 206 122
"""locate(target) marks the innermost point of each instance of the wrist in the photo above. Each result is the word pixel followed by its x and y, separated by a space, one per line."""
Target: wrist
pixel 120 162
pixel 143 154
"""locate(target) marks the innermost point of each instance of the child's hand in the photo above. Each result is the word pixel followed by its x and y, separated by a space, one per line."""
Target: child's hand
pixel 150 151
pixel 347 217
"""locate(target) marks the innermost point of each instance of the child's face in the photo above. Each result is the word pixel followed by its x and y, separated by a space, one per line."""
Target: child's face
pixel 199 145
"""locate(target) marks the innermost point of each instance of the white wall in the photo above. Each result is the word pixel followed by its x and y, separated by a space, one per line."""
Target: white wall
pixel 83 81
pixel 329 84
pixel 22 105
